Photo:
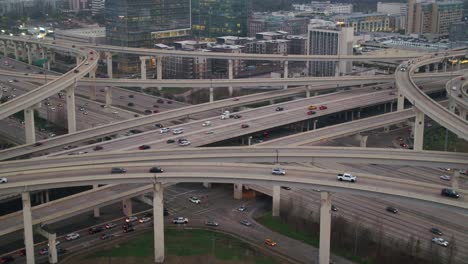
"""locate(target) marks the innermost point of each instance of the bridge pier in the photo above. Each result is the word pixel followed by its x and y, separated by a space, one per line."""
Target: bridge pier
pixel 445 67
pixel 71 111
pixel 5 53
pixel 452 105
pixel 308 87
pixel 458 65
pixel 28 50
pixel 362 140
pixel 276 201
pixel 401 101
pixel 463 113
pixel 92 89
pixel 159 70
pixel 96 210
pixel 29 125
pixel 418 130
pixel 231 75
pixel 211 95
pixel 143 67
pixel 286 72
pixel 28 228
pixel 127 206
pixel 108 91
pixel 109 64
pixel 325 227
pixel 158 223
pixel 238 191
pixel 15 47
pixel 455 179
pixel 52 239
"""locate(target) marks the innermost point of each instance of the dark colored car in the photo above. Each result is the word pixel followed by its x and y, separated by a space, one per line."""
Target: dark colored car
pixel 158 125
pixel 436 231
pixel 279 108
pixel 236 116
pixel 135 131
pixel 143 147
pixel 6 259
pixel 392 209
pixel 311 112
pixel 148 215
pixel 450 193
pixel 106 236
pixel 76 71
pixel 169 141
pixel 131 104
pixel 156 106
pixel 244 126
pixel 148 112
pixel 97 148
pixel 334 208
pixel 94 230
pixel 129 229
pixel 156 170
pixel 160 101
pixel 118 170
pixel 286 188
pixel 37 144
pixel 22 252
pixel 131 96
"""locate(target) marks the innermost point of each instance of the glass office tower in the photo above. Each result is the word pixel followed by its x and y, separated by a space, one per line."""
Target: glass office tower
pixel 215 18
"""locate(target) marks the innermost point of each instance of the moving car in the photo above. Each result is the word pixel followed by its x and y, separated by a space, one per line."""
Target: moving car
pixel 279 108
pixel 445 177
pixel 144 219
pixel 110 225
pixel 96 148
pixel 194 200
pixel 278 171
pixel 311 112
pixel 312 107
pixel 129 229
pixel 94 230
pixel 177 131
pixel 245 222
pixel 3 180
pixel 143 147
pixel 184 143
pixel 334 208
pixel 6 259
pixel 450 193
pixel 169 141
pixel 244 126
pixel 106 236
pixel 286 188
pixel 72 236
pixel 242 208
pixel 156 170
pixel 436 231
pixel 211 223
pixel 440 241
pixel 180 220
pixel 346 177
pixel 323 107
pixel 206 123
pixel 392 209
pixel 270 242
pixel 131 219
pixel 118 170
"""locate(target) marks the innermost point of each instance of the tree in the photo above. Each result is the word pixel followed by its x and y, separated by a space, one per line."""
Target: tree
pixel 452 250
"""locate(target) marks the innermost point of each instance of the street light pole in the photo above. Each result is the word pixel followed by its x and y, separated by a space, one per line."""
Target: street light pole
pixel 277 156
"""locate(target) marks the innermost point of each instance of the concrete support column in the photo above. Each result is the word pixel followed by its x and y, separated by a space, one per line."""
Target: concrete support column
pixel 276 200
pixel 47 198
pixel 143 67
pixel 325 227
pixel 401 101
pixel 28 228
pixel 452 105
pixel 363 141
pixel 316 93
pixel 445 67
pixel 109 64
pixel 418 130
pixel 108 90
pixel 5 53
pixel 308 90
pixel 127 207
pixel 158 223
pixel 428 68
pixel 96 210
pixel 158 68
pixel 238 191
pixel 92 89
pixel 71 111
pixel 15 47
pixel 463 113
pixel 231 76
pixel 28 50
pixel 29 125
pixel 211 95
pixel 386 129
pixel 78 60
pixel 286 73
pixel 207 185
pixel 436 67
pixel 458 65
pixel 455 179
pixel 53 248
pixel 315 123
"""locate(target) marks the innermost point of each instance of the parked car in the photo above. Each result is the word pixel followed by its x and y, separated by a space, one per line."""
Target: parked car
pixel 156 170
pixel 278 171
pixel 450 193
pixel 270 242
pixel 245 222
pixel 392 209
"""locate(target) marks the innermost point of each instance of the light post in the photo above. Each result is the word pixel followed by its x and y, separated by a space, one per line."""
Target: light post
pixel 277 156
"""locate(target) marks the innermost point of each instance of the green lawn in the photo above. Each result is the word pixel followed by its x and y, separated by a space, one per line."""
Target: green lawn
pixel 434 139
pixel 189 243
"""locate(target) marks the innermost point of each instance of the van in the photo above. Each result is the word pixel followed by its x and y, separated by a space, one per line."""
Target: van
pixel 177 131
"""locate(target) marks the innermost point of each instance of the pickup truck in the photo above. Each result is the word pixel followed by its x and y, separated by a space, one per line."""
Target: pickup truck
pixel 346 177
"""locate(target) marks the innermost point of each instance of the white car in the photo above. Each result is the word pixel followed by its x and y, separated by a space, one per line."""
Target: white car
pixel 164 130
pixel 131 219
pixel 278 171
pixel 194 200
pixel 115 112
pixel 242 208
pixel 440 241
pixel 184 143
pixel 454 88
pixel 144 219
pixel 177 131
pixel 3 180
pixel 445 177
pixel 180 220
pixel 206 123
pixel 72 236
pixel 346 177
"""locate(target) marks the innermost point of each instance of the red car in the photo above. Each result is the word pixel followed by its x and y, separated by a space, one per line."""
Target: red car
pixel 404 145
pixel 462 78
pixel 235 99
pixel 322 107
pixel 311 112
pixel 244 126
pixel 142 147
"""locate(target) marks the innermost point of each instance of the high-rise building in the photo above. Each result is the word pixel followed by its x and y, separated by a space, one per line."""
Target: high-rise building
pixel 459 32
pixel 214 18
pixel 431 17
pixel 97 6
pixel 392 8
pixel 143 23
pixel 271 22
pixel 330 41
pixel 373 22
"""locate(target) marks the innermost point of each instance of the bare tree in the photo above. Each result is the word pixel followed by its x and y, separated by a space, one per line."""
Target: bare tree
pixel 452 250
